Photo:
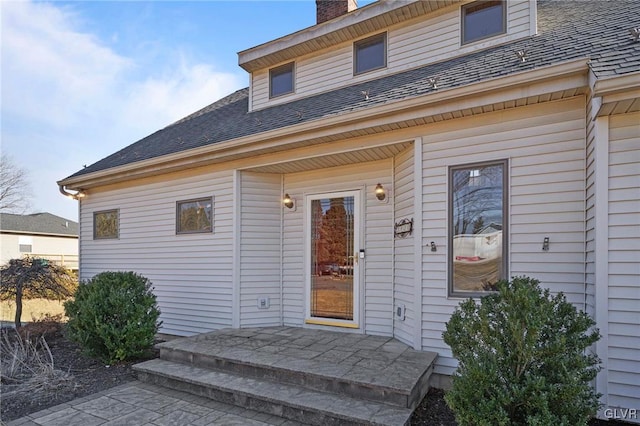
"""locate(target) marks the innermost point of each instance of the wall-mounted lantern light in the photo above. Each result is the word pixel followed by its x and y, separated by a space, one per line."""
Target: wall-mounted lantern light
pixel 433 246
pixel 288 202
pixel 381 194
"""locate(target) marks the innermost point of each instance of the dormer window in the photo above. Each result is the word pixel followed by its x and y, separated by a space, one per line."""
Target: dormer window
pixel 281 80
pixel 370 54
pixel 483 19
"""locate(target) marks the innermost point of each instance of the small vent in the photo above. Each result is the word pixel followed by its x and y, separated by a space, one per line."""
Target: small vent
pixel 25 248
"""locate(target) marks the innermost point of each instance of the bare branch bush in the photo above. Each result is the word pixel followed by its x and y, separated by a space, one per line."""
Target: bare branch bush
pixel 28 365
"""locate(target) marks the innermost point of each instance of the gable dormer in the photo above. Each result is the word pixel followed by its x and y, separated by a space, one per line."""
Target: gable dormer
pixel 385 37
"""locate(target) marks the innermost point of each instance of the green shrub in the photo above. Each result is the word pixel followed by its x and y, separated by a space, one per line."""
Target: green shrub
pixel 522 359
pixel 114 316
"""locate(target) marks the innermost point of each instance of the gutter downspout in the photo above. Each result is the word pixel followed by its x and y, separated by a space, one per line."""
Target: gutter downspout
pixel 76 196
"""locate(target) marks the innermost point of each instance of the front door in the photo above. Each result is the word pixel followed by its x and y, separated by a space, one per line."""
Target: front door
pixel 332 258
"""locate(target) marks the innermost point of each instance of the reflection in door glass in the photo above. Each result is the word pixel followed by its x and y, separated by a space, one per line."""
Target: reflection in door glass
pixel 332 258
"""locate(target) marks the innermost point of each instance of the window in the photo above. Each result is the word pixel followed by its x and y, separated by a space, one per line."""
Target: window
pixel 370 54
pixel 483 19
pixel 477 227
pixel 25 244
pixel 281 80
pixel 105 224
pixel 194 216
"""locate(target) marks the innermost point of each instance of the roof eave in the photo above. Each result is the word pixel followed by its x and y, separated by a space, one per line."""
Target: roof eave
pixel 290 134
pixel 38 233
pixel 616 94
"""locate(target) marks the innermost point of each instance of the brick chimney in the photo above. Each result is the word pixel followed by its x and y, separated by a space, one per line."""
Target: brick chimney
pixel 329 9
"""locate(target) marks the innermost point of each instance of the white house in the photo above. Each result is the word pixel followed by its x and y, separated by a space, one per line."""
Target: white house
pixel 41 235
pixel 388 162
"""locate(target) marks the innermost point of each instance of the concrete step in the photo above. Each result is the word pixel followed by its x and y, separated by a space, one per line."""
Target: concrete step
pixel 386 370
pixel 289 401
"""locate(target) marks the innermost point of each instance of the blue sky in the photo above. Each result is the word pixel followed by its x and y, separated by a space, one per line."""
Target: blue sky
pixel 81 80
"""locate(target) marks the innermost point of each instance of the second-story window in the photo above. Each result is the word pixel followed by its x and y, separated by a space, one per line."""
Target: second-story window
pixel 483 19
pixel 370 53
pixel 281 80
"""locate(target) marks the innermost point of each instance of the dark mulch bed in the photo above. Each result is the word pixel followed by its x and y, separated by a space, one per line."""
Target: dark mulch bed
pixel 88 376
pixel 433 411
pixel 85 376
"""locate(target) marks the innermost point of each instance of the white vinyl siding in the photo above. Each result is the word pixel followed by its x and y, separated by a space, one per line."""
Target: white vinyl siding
pixel 191 273
pixel 545 146
pixel 404 265
pixel 260 250
pixel 421 42
pixel 376 298
pixel 624 261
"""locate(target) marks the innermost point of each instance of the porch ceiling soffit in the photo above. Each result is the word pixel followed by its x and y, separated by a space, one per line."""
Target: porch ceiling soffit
pixel 362 21
pixel 619 94
pixel 547 84
pixel 333 160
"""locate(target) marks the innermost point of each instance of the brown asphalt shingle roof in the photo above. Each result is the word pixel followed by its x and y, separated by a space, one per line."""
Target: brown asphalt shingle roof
pixel 38 223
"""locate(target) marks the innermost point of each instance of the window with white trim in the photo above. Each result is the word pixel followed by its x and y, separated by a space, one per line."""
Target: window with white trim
pixel 281 80
pixel 194 216
pixel 106 224
pixel 483 19
pixel 25 244
pixel 370 54
pixel 477 227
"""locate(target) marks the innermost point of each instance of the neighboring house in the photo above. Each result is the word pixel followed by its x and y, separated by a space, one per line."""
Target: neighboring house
pixel 39 235
pixel 372 142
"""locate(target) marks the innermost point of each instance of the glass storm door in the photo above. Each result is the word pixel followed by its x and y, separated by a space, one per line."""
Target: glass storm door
pixel 332 247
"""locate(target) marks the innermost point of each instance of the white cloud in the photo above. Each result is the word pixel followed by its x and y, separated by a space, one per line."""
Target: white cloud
pixel 68 99
pixel 50 71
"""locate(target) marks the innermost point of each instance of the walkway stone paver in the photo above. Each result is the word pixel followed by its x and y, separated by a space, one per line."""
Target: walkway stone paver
pixel 140 404
pixel 304 374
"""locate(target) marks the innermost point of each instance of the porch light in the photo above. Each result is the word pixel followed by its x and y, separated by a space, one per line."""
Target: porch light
pixel 288 201
pixel 380 192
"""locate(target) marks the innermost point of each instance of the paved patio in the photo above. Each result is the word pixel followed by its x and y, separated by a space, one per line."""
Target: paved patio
pixel 140 404
pixel 289 374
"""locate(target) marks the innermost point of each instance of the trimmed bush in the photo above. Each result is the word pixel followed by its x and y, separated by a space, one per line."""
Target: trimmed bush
pixel 114 316
pixel 523 359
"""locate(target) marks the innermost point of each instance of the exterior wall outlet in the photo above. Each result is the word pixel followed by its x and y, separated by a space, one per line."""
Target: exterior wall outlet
pixel 400 312
pixel 263 303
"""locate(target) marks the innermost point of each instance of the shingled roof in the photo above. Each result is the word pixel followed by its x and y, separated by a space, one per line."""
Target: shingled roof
pixel 38 224
pixel 597 30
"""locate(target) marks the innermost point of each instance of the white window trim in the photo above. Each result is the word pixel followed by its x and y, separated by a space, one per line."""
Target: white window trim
pixel 503 33
pixel 385 39
pixel 506 209
pixel 293 80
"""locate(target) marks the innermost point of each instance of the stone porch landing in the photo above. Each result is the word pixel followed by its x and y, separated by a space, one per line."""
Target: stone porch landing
pixel 304 375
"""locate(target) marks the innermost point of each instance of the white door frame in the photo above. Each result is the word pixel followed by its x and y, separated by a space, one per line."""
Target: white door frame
pixel 357 264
